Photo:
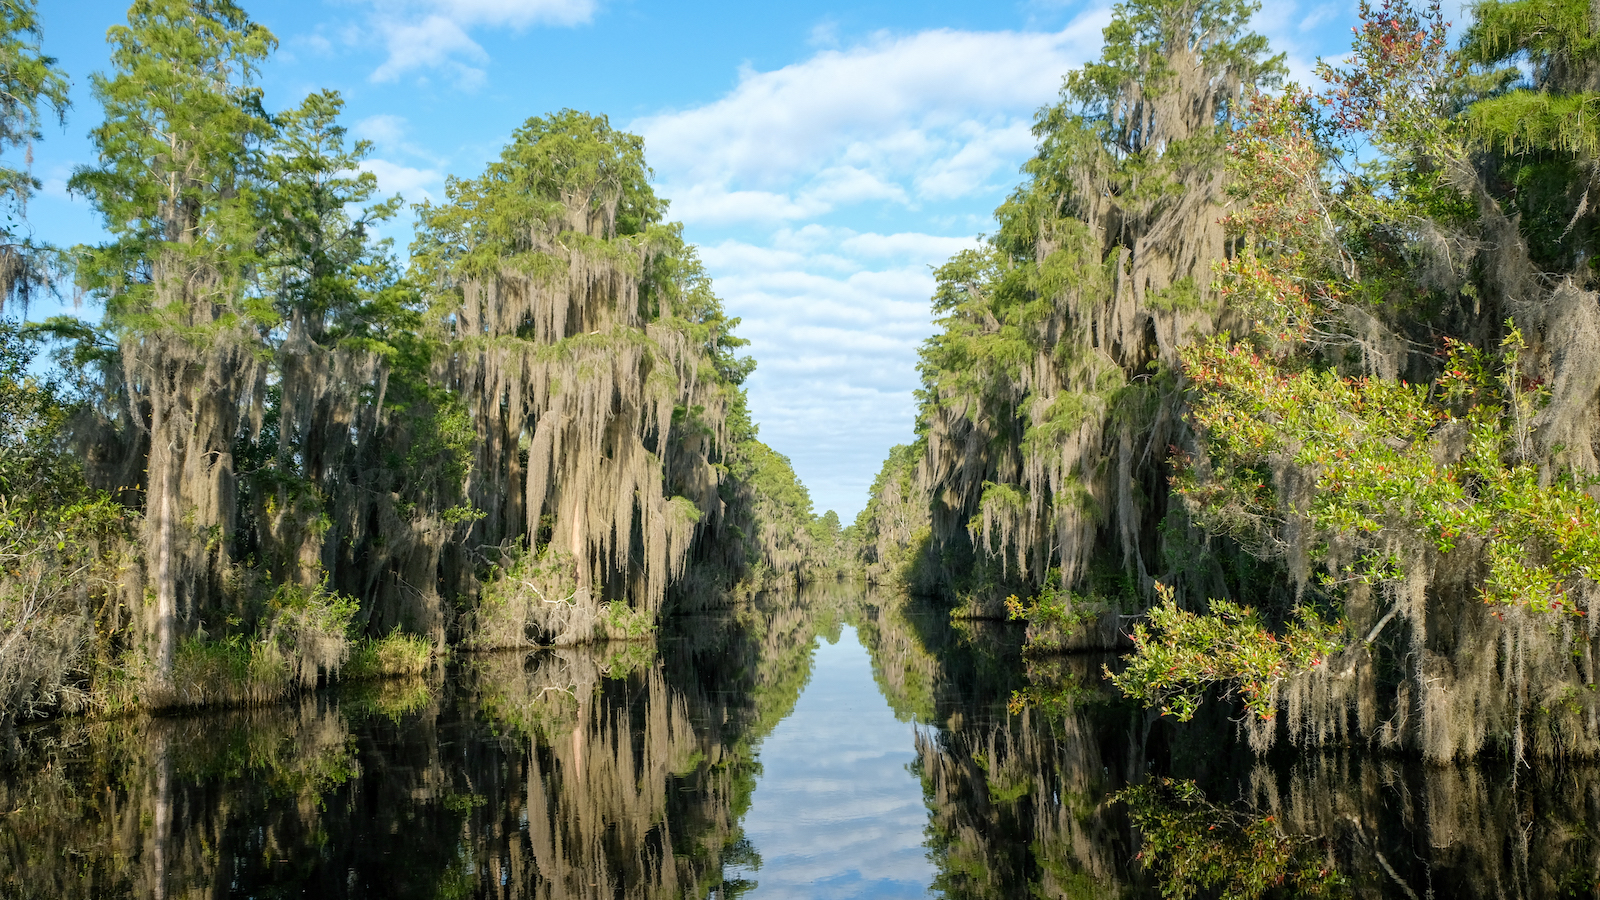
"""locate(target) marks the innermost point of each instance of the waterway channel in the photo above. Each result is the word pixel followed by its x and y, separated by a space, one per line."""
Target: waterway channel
pixel 834 744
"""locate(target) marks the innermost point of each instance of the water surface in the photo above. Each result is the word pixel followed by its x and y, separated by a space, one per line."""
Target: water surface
pixel 837 744
pixel 837 811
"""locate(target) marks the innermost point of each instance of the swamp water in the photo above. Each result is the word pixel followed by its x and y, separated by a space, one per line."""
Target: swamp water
pixel 831 745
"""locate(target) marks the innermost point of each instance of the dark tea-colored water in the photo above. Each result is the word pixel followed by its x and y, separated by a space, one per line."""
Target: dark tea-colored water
pixel 835 744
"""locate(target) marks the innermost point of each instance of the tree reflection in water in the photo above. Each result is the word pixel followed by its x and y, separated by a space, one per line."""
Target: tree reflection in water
pixel 1076 793
pixel 625 771
pixel 590 772
pixel 1193 846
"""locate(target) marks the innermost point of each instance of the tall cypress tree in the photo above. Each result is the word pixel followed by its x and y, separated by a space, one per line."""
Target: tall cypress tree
pixel 356 476
pixel 319 269
pixel 1048 405
pixel 175 183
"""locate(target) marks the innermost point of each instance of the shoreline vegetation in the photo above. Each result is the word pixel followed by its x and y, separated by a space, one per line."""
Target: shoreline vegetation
pixel 526 776
pixel 288 454
pixel 1289 395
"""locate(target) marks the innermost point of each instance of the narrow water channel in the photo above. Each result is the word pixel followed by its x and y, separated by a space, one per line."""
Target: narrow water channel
pixel 837 810
pixel 837 744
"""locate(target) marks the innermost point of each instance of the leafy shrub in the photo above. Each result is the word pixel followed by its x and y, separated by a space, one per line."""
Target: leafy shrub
pixel 311 628
pixel 1179 654
pixel 1054 613
pixel 233 671
pixel 621 622
pixel 392 655
pixel 1378 456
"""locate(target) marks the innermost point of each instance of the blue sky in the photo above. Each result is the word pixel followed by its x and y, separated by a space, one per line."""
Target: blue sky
pixel 823 155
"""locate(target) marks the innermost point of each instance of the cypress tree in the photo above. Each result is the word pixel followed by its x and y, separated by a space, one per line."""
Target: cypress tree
pixel 175 182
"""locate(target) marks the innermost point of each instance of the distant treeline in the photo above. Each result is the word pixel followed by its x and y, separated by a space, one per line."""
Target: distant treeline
pixel 1292 393
pixel 284 452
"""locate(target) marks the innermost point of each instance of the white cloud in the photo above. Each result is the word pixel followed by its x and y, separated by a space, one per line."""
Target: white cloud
pixel 930 247
pixel 936 115
pixel 433 41
pixel 848 184
pixel 809 238
pixel 385 128
pixel 391 135
pixel 409 182
pixel 876 132
pixel 739 258
pixel 875 100
pixel 835 319
pixel 709 204
pixel 432 34
pixel 984 155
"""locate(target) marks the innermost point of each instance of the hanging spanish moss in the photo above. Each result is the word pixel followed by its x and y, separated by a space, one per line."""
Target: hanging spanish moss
pixel 1050 405
pixel 581 335
pixel 293 452
pixel 1220 394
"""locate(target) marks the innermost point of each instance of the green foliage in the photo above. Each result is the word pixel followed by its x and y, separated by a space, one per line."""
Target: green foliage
pixel 891 531
pixel 1054 613
pixel 1373 447
pixel 59 543
pixel 233 671
pixel 182 128
pixel 489 223
pixel 1139 33
pixel 681 292
pixel 1193 845
pixel 1049 336
pixel 1179 655
pixel 280 402
pixel 176 185
pixel 1532 107
pixel 899 468
pixel 319 261
pixel 519 582
pixel 30 83
pixel 302 638
pixel 982 338
pixel 300 615
pixel 772 475
pixel 1100 126
pixel 1398 84
pixel 1383 418
pixel 1182 296
pixel 1554 36
pixel 350 341
pixel 34 467
pixel 621 622
pixel 1525 121
pixel 782 540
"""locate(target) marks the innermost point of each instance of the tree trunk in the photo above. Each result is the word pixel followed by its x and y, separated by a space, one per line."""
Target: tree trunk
pixel 162 481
